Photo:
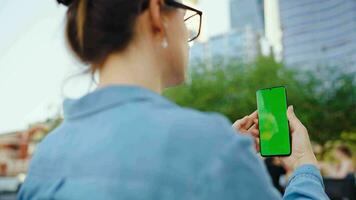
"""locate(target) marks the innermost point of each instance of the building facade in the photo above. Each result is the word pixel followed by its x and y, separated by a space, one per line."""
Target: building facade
pixel 318 33
pixel 247 13
pixel 244 40
pixel 242 45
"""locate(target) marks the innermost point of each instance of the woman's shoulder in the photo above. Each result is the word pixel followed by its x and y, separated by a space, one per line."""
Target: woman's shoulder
pixel 187 118
pixel 190 118
pixel 188 122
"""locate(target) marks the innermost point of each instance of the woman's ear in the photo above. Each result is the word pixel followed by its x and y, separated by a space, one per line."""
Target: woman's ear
pixel 156 18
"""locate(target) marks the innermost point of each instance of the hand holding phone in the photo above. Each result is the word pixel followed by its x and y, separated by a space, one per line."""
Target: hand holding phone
pixel 280 131
pixel 301 152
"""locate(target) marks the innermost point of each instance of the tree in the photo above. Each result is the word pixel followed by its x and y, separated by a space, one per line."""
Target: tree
pixel 326 106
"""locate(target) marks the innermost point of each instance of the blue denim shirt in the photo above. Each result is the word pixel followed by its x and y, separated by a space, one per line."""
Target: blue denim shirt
pixel 127 142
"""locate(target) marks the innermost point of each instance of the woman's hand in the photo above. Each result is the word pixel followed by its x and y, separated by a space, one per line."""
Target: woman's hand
pixel 249 125
pixel 302 152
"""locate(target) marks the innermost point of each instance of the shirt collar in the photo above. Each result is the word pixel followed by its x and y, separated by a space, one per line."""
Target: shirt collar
pixel 108 97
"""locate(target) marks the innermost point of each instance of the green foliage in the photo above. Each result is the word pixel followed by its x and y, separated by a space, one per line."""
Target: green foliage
pixel 347 139
pixel 50 124
pixel 327 106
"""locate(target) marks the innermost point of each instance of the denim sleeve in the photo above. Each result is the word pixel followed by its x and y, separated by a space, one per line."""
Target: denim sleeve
pixel 305 183
pixel 246 173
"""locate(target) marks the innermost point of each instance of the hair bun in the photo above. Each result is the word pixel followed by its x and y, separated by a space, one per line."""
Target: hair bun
pixel 65 2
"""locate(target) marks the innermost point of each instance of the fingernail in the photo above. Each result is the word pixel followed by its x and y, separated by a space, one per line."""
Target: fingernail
pixel 292 108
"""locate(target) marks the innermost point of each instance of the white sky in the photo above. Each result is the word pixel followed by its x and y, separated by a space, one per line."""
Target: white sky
pixel 34 61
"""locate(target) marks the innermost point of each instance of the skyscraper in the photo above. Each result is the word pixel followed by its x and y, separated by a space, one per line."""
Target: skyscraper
pixel 242 45
pixel 319 33
pixel 247 13
pixel 242 42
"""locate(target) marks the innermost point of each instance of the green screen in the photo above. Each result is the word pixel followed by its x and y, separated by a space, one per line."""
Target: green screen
pixel 273 122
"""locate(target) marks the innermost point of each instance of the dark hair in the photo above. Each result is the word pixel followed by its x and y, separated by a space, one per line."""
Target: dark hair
pixel 97 28
pixel 345 150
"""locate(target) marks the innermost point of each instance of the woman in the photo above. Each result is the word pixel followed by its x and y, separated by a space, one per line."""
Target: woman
pixel 345 168
pixel 126 141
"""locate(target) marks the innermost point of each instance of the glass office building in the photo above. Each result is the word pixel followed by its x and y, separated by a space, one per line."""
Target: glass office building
pixel 242 42
pixel 318 33
pixel 242 45
pixel 247 13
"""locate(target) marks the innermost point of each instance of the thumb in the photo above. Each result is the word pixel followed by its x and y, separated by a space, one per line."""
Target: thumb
pixel 293 120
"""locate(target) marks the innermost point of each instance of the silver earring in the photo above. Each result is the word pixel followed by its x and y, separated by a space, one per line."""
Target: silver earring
pixel 164 43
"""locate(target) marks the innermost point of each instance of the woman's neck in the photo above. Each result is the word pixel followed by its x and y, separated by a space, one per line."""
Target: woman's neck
pixel 132 67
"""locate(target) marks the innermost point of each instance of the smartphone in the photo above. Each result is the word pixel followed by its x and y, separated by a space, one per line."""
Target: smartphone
pixel 275 139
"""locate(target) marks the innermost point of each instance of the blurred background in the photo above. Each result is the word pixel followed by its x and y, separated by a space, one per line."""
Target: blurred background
pixel 307 45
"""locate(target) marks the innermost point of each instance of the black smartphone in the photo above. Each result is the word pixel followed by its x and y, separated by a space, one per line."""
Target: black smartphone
pixel 275 139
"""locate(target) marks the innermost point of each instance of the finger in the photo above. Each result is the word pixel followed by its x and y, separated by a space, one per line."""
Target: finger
pixel 254 131
pixel 293 120
pixel 291 115
pixel 254 115
pixel 256 123
pixel 242 124
pixel 238 127
pixel 243 121
pixel 257 144
pixel 250 120
pixel 237 124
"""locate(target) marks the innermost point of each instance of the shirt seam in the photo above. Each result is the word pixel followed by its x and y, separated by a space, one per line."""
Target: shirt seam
pixel 306 175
